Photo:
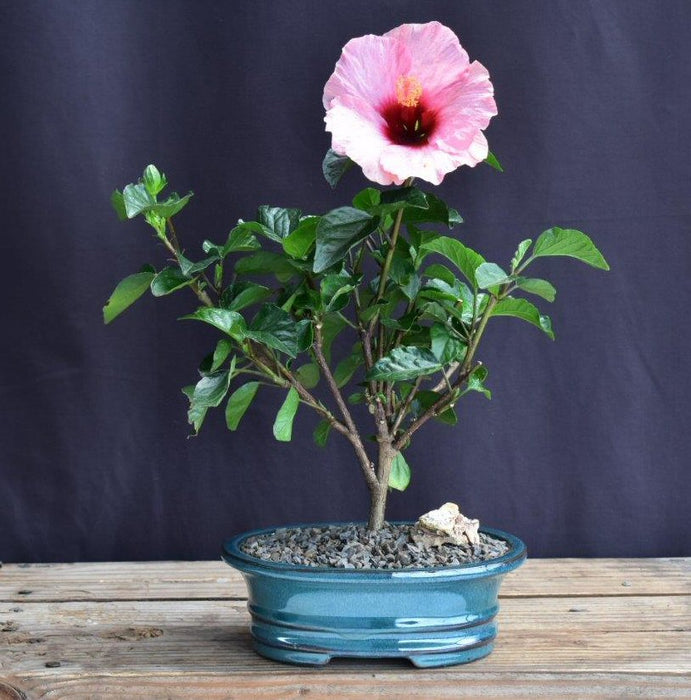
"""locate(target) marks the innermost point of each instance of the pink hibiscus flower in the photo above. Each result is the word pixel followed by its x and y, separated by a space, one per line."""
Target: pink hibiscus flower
pixel 409 104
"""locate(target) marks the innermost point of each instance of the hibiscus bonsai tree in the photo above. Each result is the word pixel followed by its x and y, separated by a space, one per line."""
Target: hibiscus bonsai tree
pixel 408 108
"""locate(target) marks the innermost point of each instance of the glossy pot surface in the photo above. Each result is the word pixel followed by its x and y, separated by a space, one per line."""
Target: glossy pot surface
pixel 433 616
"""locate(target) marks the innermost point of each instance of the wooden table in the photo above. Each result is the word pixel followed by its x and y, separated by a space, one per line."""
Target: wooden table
pixel 584 628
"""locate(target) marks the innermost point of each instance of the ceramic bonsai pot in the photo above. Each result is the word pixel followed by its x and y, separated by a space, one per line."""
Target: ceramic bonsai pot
pixel 433 617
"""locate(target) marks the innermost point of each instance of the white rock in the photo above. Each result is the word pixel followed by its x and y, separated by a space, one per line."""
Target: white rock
pixel 446 525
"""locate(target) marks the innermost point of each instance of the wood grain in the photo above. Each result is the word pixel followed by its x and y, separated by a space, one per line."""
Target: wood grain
pixel 572 628
pixel 206 580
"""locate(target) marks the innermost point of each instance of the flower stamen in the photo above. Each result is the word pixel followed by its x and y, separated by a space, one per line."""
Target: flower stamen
pixel 408 90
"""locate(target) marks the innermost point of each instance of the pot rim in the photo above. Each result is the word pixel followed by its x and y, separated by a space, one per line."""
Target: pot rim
pixel 235 557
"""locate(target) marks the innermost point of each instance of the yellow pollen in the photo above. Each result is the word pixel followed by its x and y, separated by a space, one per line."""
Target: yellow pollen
pixel 408 90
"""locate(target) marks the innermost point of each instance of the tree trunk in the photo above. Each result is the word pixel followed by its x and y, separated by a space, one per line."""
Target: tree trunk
pixel 379 493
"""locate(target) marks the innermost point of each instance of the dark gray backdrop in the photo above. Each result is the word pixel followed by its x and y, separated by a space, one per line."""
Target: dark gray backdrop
pixel 583 449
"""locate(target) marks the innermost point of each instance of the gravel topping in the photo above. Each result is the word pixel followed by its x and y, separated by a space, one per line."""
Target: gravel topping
pixel 355 547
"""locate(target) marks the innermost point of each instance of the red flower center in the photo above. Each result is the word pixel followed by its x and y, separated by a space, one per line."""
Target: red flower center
pixel 408 122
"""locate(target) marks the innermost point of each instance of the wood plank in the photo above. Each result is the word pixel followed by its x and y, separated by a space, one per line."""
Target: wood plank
pixel 616 635
pixel 216 580
pixel 406 683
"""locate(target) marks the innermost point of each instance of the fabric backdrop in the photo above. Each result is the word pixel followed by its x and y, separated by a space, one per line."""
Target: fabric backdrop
pixel 583 449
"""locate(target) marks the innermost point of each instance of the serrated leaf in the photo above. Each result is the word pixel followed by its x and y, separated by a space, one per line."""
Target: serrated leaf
pixel 209 392
pixel 238 403
pixel 446 347
pixel 283 425
pixel 335 166
pixel 275 328
pixel 337 232
pixel 399 477
pixel 321 432
pixel 464 258
pixel 523 309
pixel 126 293
pixel 571 243
pixel 229 322
pixel 367 199
pixel 277 222
pixel 541 287
pixel 136 200
pixel 300 242
pixel 490 275
pixel 169 280
pixel 437 211
pixel 520 253
pixel 403 363
pixel 189 268
pixel 171 206
pixel 476 382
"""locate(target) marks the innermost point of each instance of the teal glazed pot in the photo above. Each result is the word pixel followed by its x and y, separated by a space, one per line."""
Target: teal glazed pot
pixel 434 617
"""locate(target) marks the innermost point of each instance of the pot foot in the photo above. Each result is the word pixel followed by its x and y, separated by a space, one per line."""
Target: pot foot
pixel 292 656
pixel 451 658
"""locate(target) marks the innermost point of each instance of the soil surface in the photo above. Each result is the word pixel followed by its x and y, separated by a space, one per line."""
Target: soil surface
pixel 355 547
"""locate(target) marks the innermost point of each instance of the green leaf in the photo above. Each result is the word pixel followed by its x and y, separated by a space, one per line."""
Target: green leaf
pixel 465 259
pixel 305 332
pixel 390 201
pixel 446 347
pixel 367 199
pixel 308 375
pixel 229 322
pixel 441 272
pixel 335 290
pixel 283 425
pixel 437 212
pixel 264 262
pixel 337 232
pixel 189 268
pixel 154 181
pixel 169 280
pixel 404 362
pixel 533 285
pixel 277 222
pixel 335 167
pixel 240 295
pixel 492 161
pixel 332 325
pixel 118 202
pixel 209 392
pixel 300 242
pixel 347 367
pixel 239 402
pixel 425 398
pixel 275 328
pixel 490 275
pixel 571 243
pixel 523 309
pixel 126 293
pixel 399 478
pixel 476 382
pixel 520 253
pixel 221 352
pixel 240 239
pixel 321 432
pixel 171 206
pixel 136 200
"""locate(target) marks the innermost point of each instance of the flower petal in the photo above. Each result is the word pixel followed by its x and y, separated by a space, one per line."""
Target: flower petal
pixel 437 57
pixel 426 163
pixel 357 130
pixel 368 68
